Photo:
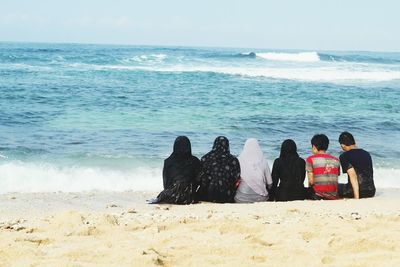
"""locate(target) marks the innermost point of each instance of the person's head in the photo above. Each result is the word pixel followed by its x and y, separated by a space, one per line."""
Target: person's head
pixel 319 143
pixel 251 149
pixel 182 147
pixel 288 148
pixel 251 143
pixel 346 141
pixel 221 144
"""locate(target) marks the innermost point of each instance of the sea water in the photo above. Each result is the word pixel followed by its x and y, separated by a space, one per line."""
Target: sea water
pixel 77 117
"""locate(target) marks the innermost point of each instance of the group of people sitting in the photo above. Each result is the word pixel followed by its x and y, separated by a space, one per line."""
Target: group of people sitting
pixel 223 178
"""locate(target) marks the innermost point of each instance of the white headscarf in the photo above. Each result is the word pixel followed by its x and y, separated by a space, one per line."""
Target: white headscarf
pixel 254 169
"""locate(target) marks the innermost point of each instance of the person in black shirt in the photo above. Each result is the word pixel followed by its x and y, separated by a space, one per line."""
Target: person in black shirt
pixel 289 171
pixel 357 163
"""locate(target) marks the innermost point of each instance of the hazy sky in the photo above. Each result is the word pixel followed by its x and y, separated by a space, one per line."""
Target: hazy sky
pixel 281 24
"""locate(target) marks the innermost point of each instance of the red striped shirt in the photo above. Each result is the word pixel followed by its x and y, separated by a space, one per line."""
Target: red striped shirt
pixel 326 169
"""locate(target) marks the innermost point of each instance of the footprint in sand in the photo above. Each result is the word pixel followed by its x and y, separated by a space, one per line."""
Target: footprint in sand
pixel 158 258
pixel 327 260
pixel 259 241
pixel 35 240
pixel 259 258
pixel 308 236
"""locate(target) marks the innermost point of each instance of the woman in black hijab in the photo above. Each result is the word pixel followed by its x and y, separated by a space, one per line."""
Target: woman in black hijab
pixel 219 174
pixel 289 172
pixel 179 173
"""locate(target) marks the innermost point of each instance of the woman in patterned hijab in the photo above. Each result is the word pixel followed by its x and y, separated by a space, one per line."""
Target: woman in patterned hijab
pixel 220 173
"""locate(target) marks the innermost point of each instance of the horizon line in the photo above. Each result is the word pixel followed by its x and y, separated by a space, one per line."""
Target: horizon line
pixel 196 46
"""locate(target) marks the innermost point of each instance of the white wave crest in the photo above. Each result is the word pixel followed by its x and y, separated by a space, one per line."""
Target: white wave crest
pixel 331 74
pixel 297 57
pixel 156 58
pixel 31 177
pixel 387 177
pixel 334 74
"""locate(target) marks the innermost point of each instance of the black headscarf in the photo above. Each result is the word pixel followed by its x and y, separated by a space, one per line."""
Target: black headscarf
pixel 181 165
pixel 288 150
pixel 220 170
pixel 289 168
pixel 182 148
pixel 289 172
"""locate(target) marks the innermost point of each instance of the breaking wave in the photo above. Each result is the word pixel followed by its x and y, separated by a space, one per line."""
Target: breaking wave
pixel 312 74
pixel 33 177
pixel 296 57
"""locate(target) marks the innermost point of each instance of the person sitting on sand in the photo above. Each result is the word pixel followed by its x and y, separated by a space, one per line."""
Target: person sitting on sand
pixel 255 175
pixel 289 171
pixel 322 170
pixel 179 173
pixel 219 174
pixel 357 163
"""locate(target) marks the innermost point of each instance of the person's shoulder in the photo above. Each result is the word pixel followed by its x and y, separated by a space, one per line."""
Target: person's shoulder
pixel 205 157
pixel 331 157
pixel 277 160
pixel 196 159
pixel 362 151
pixel 310 158
pixel 167 160
pixel 357 152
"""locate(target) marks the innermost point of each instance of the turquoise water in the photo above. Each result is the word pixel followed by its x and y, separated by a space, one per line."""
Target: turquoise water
pixel 80 117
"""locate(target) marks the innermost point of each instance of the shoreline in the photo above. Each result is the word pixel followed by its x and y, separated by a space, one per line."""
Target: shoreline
pixel 117 229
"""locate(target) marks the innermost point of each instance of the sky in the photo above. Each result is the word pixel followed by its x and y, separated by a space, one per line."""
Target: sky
pixel 367 25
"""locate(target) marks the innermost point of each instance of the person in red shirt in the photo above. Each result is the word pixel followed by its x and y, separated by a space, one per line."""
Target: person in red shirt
pixel 322 170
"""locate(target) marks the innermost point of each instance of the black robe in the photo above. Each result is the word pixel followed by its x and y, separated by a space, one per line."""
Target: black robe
pixel 289 171
pixel 179 173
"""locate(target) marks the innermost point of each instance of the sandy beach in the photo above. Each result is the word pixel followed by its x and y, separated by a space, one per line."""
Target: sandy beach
pixel 119 229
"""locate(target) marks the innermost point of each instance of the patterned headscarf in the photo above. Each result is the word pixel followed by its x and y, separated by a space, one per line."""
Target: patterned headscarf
pixel 220 150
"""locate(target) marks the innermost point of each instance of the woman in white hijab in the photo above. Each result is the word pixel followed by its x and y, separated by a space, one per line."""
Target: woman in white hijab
pixel 255 174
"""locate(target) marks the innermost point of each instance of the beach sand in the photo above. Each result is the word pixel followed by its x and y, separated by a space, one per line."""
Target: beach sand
pixel 119 229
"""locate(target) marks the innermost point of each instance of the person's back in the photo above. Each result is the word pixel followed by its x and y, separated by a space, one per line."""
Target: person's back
pixel 322 169
pixel 219 172
pixel 179 173
pixel 288 174
pixel 255 175
pixel 359 160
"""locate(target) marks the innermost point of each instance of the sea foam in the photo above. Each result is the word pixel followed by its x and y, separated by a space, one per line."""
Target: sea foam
pixel 146 58
pixel 33 177
pixel 312 74
pixel 297 57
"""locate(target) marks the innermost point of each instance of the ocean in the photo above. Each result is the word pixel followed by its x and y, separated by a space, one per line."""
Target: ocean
pixel 76 117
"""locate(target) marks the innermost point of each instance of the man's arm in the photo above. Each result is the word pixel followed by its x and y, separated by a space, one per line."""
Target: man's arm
pixel 310 171
pixel 310 177
pixel 354 182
